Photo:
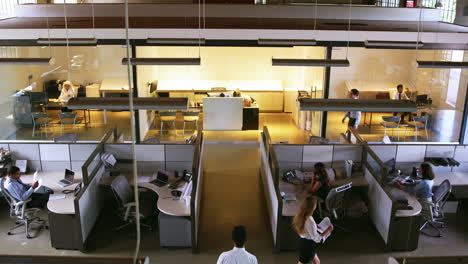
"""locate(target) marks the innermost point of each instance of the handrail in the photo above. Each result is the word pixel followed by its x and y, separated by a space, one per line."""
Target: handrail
pixel 31 259
pixel 195 182
pixel 380 163
pixel 436 259
pixel 352 131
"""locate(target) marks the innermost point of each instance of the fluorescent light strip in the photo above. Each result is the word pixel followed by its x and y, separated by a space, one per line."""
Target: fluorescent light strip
pixel 163 61
pixel 288 42
pixel 399 44
pixel 26 61
pixel 84 41
pixel 443 64
pixel 172 41
pixel 366 105
pixel 122 103
pixel 313 63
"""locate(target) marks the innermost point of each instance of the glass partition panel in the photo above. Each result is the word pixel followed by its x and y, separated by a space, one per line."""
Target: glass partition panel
pixel 377 73
pixel 230 72
pixel 33 101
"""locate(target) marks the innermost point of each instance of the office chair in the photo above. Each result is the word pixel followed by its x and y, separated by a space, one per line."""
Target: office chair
pixel 391 122
pixel 168 117
pixel 126 204
pixel 19 211
pixel 419 122
pixel 41 119
pixel 335 204
pixel 67 118
pixel 433 212
pixel 190 117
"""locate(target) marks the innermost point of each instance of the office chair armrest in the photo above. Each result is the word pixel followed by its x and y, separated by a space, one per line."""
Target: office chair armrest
pixel 23 205
pixel 128 207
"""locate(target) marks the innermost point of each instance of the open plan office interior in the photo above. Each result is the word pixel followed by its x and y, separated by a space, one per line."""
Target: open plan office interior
pixel 154 127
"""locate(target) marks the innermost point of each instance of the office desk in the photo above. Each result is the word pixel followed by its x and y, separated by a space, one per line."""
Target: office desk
pixel 62 216
pixel 113 86
pixel 165 203
pixel 174 219
pixel 290 208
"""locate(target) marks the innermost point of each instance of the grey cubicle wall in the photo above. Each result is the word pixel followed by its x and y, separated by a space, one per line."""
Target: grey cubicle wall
pixel 51 156
pixel 304 157
pixel 151 157
pixel 197 190
pixel 380 203
pixel 270 186
pixel 408 156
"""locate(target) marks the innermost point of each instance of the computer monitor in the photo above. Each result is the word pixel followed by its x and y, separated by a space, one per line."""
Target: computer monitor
pixel 421 99
pixel 391 164
pixel 69 175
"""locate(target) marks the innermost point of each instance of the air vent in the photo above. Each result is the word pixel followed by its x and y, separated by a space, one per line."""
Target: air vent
pixel 345 24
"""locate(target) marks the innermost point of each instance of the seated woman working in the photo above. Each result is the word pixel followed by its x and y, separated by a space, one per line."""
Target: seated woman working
pixel 321 181
pixel 66 94
pixel 423 190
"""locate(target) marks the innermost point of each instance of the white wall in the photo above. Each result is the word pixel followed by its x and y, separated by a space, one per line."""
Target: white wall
pixel 235 63
pixel 369 66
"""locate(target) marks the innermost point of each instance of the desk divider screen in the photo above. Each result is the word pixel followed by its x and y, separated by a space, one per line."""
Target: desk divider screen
pixel 271 190
pixel 197 189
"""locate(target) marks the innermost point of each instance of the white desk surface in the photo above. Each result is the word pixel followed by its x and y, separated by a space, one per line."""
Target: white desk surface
pixel 290 208
pixel 114 85
pixel 50 179
pixel 455 178
pixel 166 203
pixel 397 193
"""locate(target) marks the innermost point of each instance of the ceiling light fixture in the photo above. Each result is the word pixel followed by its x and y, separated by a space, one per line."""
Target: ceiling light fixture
pixel 310 62
pixel 122 103
pixel 374 105
pixel 63 41
pixel 164 61
pixel 287 42
pixel 394 44
pixel 175 41
pixel 443 64
pixel 26 61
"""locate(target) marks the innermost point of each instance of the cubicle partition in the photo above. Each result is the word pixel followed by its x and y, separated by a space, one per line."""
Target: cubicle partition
pixel 197 189
pixel 273 199
pixel 304 157
pixel 409 156
pixel 50 156
pixel 398 227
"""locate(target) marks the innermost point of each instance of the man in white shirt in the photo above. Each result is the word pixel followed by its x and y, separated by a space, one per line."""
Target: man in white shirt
pixel 400 95
pixel 238 255
pixel 354 116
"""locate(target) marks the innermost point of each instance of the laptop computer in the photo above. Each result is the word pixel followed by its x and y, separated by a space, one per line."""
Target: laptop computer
pixel 67 179
pixel 162 179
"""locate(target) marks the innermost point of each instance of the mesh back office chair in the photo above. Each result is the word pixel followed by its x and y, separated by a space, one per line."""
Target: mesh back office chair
pixel 67 118
pixel 168 117
pixel 126 204
pixel 191 117
pixel 335 204
pixel 419 122
pixel 40 119
pixel 391 122
pixel 19 211
pixel 433 212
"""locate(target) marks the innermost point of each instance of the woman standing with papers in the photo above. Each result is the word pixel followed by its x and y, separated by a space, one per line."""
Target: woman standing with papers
pixel 307 229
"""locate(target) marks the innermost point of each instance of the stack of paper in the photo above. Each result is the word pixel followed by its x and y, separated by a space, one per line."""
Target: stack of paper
pixel 323 226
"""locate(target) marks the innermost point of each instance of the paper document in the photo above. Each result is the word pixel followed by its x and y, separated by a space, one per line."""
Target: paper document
pixel 36 177
pixel 144 179
pixel 324 225
pixel 57 196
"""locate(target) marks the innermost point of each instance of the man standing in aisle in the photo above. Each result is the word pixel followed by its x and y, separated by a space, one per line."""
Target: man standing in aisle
pixel 400 95
pixel 354 116
pixel 238 254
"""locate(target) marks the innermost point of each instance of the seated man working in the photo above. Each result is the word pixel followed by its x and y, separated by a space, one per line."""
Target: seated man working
pixel 66 94
pixel 21 191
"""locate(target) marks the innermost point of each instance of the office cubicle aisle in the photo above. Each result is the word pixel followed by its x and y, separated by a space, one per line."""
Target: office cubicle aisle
pixel 232 194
